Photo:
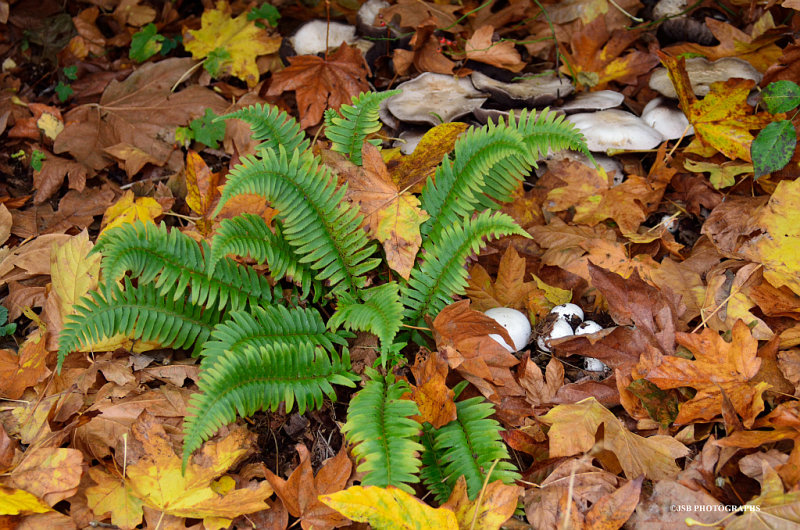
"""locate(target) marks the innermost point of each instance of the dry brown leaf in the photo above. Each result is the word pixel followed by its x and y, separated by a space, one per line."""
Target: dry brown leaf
pixel 52 474
pixel 501 54
pixel 21 371
pixel 435 401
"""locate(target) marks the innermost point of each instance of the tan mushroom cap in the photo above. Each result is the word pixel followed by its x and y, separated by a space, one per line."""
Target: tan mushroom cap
pixel 702 73
pixel 536 90
pixel 615 129
pixel 430 96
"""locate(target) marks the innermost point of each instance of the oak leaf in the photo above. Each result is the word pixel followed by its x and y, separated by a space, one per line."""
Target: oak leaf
pixel 389 508
pixel 321 83
pixel 495 505
pixel 500 54
pixel 573 429
pixel 230 45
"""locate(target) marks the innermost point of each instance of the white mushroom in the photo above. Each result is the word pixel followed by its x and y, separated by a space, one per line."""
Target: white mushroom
pixel 615 129
pixel 667 119
pixel 600 100
pixel 408 140
pixel 431 96
pixel 561 328
pixel 590 364
pixel 588 327
pixel 531 91
pixel 368 22
pixel 703 72
pixel 515 322
pixel 310 38
pixel 572 313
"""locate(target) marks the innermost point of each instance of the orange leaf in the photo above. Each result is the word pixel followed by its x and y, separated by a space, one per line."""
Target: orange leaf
pixel 495 505
pixel 500 54
pixel 435 401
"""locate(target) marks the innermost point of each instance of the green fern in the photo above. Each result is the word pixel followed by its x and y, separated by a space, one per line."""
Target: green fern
pixel 141 313
pixel 348 128
pixel 277 326
pixel 249 235
pixel 242 382
pixel 323 229
pixel 488 163
pixel 381 314
pixel 442 274
pixel 379 423
pixel 272 127
pixel 174 261
pixel 433 472
pixel 470 444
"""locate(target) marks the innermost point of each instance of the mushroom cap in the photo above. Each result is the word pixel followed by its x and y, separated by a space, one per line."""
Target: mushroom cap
pixel 600 100
pixel 588 327
pixel 538 90
pixel 515 322
pixel 430 95
pixel 484 115
pixel 408 140
pixel 615 129
pixel 702 73
pixel 667 119
pixel 310 38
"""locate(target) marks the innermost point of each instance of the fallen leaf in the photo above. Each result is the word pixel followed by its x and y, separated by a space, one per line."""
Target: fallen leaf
pixel 414 13
pixel 201 188
pixel 409 172
pixel 321 83
pixel 113 495
pixel 129 209
pixel 573 429
pixel 48 180
pixel 501 54
pixel 434 400
pixel 425 54
pixel 613 510
pixel 19 372
pixel 50 473
pixel 232 43
pixel 389 508
pixel 15 502
pixel 508 290
pixel 539 391
pixel 494 506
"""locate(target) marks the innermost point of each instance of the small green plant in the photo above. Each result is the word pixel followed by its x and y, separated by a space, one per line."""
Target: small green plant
pixel 774 146
pixel 64 90
pixel 37 157
pixel 263 341
pixel 266 12
pixel 147 42
pixel 6 328
pixel 207 130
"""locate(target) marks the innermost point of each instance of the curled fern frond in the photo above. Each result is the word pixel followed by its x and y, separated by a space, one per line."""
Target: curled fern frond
pixel 249 235
pixel 348 128
pixel 321 227
pixel 470 444
pixel 242 382
pixel 488 163
pixel 434 472
pixel 140 313
pixel 276 325
pixel 272 127
pixel 380 313
pixel 442 274
pixel 379 423
pixel 174 261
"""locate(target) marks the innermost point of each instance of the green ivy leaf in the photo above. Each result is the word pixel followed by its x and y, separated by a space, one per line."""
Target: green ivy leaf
pixel 145 43
pixel 37 157
pixel 215 60
pixel 773 147
pixel 265 12
pixel 208 131
pixel 781 96
pixel 71 72
pixel 63 91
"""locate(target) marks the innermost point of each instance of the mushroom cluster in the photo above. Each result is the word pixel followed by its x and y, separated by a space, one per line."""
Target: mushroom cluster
pixel 566 320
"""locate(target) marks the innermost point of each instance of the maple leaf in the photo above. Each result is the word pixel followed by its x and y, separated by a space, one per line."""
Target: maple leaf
pixel 501 54
pixel 303 493
pixel 21 371
pixel 434 400
pixel 321 83
pixel 595 60
pixel 495 505
pixel 389 508
pixel 530 377
pixel 573 430
pixel 129 209
pixel 50 473
pixel 723 119
pixel 390 216
pixel 509 290
pixel 139 112
pixel 718 367
pixel 110 494
pixel 230 45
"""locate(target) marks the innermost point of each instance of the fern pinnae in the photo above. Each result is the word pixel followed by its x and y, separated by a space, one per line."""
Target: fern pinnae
pixel 433 472
pixel 140 313
pixel 276 325
pixel 242 382
pixel 379 423
pixel 348 128
pixel 317 222
pixel 442 274
pixel 272 126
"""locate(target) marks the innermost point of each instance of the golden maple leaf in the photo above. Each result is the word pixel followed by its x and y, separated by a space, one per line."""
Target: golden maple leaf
pixel 230 45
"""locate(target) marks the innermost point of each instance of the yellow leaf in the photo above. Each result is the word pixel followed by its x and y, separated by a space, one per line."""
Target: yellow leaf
pixel 128 209
pixel 412 170
pixel 493 507
pixel 15 502
pixel 50 125
pixel 234 43
pixel 389 508
pixel 554 295
pixel 73 271
pixel 111 494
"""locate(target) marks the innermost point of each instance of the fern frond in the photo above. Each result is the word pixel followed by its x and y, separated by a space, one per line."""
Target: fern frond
pixel 470 444
pixel 249 235
pixel 380 313
pixel 433 472
pixel 276 325
pixel 140 313
pixel 348 128
pixel 379 423
pixel 174 261
pixel 321 227
pixel 488 163
pixel 272 127
pixel 442 274
pixel 240 383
